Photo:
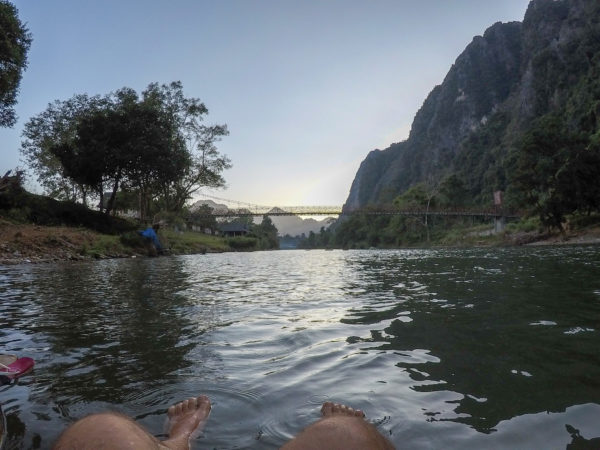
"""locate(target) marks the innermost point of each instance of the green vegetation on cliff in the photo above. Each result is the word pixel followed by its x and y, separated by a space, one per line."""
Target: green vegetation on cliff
pixel 518 112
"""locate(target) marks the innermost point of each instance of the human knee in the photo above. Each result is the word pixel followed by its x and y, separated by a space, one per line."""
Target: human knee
pixel 105 421
pixel 104 430
pixel 352 432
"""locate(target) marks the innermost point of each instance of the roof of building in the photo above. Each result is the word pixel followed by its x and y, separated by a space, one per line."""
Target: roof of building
pixel 234 228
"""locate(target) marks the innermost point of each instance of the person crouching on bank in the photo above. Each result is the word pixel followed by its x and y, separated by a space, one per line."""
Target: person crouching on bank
pixel 150 236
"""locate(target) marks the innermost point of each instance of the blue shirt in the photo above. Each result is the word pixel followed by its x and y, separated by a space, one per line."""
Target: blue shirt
pixel 151 234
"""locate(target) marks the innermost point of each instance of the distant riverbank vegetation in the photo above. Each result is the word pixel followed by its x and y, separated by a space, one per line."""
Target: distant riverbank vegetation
pixel 35 228
pixel 364 231
pixel 563 201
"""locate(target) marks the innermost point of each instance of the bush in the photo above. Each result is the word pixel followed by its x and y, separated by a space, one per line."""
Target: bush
pixel 577 222
pixel 242 243
pixel 526 225
pixel 132 239
pixel 26 207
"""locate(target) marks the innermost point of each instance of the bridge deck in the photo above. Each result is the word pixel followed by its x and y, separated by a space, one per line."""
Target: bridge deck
pixel 370 212
pixel 253 210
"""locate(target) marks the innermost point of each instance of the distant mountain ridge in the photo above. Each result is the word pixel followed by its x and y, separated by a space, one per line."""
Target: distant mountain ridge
pixel 217 207
pixel 296 226
pixel 515 73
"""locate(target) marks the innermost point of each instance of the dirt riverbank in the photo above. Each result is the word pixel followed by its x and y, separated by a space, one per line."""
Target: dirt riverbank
pixel 29 243
pixel 587 236
pixel 25 243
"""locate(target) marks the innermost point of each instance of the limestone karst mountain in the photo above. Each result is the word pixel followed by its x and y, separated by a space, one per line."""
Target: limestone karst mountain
pixel 505 80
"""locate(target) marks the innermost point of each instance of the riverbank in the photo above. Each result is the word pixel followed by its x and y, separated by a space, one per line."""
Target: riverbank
pixel 589 235
pixel 28 243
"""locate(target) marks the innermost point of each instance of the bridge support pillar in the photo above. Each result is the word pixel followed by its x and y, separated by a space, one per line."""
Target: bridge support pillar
pixel 499 224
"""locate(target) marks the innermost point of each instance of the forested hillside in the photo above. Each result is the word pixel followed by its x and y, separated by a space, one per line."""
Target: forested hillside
pixel 519 112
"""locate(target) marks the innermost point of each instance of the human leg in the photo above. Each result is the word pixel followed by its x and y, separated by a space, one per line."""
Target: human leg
pixel 341 427
pixel 116 431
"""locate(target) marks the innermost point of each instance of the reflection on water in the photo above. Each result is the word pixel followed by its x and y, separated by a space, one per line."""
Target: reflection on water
pixel 441 348
pixel 477 326
pixel 579 442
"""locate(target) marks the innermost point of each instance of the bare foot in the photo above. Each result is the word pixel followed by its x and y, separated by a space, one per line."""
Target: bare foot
pixel 336 409
pixel 184 418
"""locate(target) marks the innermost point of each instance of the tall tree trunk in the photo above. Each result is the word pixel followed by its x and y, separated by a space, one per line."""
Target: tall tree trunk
pixel 113 195
pixel 101 204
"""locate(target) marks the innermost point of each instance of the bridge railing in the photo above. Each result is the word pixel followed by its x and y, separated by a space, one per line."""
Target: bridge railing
pixel 252 210
pixel 244 209
pixel 451 212
pixel 337 211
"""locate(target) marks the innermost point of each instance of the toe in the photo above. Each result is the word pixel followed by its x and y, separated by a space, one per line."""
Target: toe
pixel 327 408
pixel 203 402
pixel 188 405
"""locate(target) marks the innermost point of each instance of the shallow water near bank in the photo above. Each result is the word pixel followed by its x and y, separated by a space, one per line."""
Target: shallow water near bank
pixel 477 348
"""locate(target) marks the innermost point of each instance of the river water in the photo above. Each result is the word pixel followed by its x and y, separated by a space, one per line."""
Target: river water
pixel 459 349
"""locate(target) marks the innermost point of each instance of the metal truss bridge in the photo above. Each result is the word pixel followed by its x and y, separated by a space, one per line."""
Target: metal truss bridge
pixel 241 209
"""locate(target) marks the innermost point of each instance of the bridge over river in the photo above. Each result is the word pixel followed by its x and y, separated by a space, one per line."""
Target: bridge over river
pixel 241 209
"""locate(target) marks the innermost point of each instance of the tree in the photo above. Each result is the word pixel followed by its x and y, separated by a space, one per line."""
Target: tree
pixel 154 144
pixel 56 126
pixel 324 237
pixel 115 146
pixel 419 196
pixel 203 217
pixel 414 198
pixel 587 168
pixel 453 191
pixel 557 172
pixel 15 41
pixel 266 233
pixel 206 163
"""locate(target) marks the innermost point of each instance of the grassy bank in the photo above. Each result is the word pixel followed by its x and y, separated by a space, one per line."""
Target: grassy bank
pixel 25 243
pixel 35 228
pixel 189 242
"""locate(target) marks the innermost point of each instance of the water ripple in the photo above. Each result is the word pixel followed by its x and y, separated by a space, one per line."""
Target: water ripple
pixel 436 346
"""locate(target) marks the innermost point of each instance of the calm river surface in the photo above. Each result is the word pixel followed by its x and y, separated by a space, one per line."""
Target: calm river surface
pixel 461 349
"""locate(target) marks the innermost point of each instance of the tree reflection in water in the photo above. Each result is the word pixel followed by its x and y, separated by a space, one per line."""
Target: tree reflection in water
pixel 579 442
pixel 471 326
pixel 117 346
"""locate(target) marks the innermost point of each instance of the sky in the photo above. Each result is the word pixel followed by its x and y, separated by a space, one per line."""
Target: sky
pixel 306 87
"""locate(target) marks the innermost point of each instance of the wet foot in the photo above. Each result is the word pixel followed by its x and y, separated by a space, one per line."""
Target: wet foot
pixel 185 418
pixel 335 409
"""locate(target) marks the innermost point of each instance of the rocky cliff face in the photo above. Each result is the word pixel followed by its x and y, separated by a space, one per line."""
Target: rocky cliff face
pixel 515 70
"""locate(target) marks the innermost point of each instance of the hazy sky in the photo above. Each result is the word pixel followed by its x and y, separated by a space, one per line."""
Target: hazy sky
pixel 306 87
